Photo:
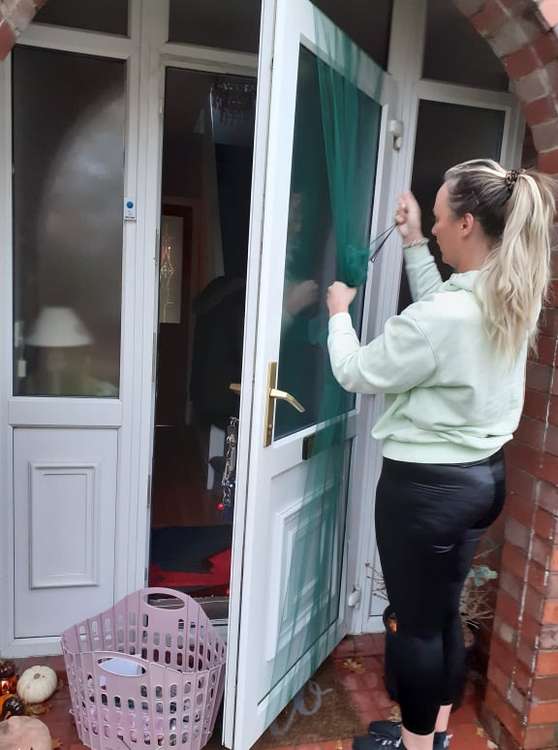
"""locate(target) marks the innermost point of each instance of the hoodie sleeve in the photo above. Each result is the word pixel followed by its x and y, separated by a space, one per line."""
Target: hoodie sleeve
pixel 422 272
pixel 398 360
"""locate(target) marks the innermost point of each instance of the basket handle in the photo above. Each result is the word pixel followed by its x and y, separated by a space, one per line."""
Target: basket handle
pixel 104 656
pixel 184 599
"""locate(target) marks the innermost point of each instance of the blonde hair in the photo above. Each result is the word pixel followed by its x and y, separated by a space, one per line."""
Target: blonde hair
pixel 515 210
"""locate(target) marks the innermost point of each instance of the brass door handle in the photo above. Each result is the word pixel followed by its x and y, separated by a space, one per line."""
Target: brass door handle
pixel 272 395
pixel 284 396
pixel 235 388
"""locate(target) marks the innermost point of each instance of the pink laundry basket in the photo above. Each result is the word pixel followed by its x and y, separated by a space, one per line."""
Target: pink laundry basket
pixel 143 676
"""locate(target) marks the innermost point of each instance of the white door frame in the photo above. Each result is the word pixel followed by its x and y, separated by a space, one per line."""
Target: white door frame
pixel 163 55
pixel 148 53
pixel 132 414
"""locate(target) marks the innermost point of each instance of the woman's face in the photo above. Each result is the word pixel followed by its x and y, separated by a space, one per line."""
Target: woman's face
pixel 447 229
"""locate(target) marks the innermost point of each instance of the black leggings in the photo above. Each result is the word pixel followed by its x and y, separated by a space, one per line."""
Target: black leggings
pixel 429 519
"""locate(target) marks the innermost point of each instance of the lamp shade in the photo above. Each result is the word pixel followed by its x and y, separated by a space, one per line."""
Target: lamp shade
pixel 59 327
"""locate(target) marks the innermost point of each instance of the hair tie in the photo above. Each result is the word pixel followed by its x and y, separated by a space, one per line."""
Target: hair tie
pixel 511 178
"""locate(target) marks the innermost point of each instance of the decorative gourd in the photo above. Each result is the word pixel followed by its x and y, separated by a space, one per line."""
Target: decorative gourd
pixel 11 705
pixel 24 733
pixel 8 677
pixel 37 684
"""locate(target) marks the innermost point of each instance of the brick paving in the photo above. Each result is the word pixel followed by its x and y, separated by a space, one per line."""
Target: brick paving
pixel 366 688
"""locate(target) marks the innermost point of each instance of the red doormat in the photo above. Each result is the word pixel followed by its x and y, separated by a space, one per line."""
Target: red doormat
pixel 214 582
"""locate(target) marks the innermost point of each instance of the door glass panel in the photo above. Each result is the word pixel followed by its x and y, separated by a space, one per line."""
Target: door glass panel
pixel 311 260
pixel 106 16
pixel 68 191
pixel 475 132
pixel 367 24
pixel 455 52
pixel 233 25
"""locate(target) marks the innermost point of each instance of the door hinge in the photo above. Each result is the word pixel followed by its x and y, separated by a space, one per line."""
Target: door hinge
pixel 369 570
pixel 149 492
pixel 354 597
pixel 145 577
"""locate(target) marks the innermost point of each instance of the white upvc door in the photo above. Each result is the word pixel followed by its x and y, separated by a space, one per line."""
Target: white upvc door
pixel 276 514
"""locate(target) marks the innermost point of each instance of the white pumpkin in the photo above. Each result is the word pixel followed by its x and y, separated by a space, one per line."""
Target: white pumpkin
pixel 37 684
pixel 24 733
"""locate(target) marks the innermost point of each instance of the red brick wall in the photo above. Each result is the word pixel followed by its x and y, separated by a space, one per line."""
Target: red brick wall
pixel 521 703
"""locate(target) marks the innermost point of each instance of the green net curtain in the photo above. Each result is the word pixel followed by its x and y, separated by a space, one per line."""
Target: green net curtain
pixel 332 188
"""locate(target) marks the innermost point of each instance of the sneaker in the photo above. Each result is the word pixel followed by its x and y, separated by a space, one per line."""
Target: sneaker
pixel 377 742
pixel 392 730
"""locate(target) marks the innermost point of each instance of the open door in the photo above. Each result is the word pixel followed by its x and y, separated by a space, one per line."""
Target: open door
pixel 280 630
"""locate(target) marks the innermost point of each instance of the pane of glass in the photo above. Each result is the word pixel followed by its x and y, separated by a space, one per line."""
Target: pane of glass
pixel 368 24
pixel 106 16
pixel 68 190
pixel 310 264
pixel 233 25
pixel 456 53
pixel 475 133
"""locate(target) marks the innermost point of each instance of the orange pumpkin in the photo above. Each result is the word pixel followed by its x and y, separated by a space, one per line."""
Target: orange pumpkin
pixel 8 677
pixel 11 705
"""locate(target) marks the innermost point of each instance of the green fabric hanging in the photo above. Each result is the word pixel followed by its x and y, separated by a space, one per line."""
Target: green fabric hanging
pixel 332 189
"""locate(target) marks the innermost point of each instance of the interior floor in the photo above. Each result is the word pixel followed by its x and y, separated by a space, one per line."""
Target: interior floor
pixel 178 482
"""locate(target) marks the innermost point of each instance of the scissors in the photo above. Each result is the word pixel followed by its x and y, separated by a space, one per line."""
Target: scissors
pixel 385 235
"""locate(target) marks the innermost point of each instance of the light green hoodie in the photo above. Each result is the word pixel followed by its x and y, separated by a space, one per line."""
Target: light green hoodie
pixel 450 397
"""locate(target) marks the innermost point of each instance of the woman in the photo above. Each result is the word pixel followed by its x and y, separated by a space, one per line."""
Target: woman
pixel 452 366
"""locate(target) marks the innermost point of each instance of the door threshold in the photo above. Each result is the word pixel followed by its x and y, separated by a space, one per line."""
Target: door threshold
pixel 216 608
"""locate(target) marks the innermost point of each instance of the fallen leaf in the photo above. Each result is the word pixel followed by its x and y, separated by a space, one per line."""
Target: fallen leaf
pixel 56 744
pixel 36 709
pixel 395 714
pixel 481 732
pixel 353 665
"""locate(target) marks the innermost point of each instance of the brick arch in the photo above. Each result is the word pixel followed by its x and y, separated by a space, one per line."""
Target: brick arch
pixel 521 707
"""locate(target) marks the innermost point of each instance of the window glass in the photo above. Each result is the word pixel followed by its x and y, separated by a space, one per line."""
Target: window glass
pixel 106 16
pixel 68 189
pixel 456 53
pixel 368 24
pixel 475 133
pixel 234 25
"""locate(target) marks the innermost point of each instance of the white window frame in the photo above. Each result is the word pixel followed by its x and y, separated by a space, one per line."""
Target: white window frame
pixel 106 413
pixel 405 64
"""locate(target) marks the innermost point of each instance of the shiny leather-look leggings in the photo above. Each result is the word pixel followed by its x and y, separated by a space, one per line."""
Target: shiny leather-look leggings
pixel 429 519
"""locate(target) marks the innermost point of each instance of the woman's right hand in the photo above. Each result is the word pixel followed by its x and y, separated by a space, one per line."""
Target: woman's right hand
pixel 408 218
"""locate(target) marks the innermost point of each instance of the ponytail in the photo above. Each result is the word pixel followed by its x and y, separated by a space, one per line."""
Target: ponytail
pixel 515 210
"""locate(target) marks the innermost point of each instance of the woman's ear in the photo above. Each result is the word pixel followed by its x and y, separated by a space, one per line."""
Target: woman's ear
pixel 466 225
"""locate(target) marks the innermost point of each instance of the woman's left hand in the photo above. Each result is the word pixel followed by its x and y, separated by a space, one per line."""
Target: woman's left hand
pixel 339 297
